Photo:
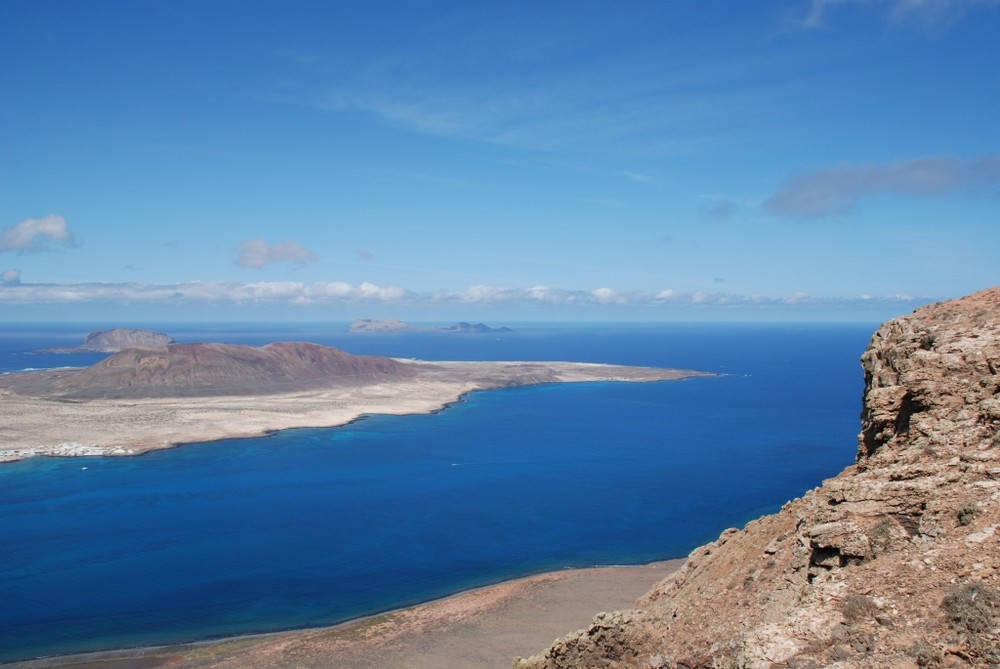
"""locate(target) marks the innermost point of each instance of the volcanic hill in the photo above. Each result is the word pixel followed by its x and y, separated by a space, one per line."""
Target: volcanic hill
pixel 179 370
pixel 893 563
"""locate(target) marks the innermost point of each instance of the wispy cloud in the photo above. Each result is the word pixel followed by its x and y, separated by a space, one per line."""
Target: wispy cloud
pixel 645 94
pixel 837 190
pixel 721 211
pixel 34 234
pixel 637 177
pixel 10 276
pixel 931 15
pixel 257 253
pixel 296 293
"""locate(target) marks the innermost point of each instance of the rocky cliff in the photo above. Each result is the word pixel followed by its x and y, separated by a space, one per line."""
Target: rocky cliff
pixel 893 563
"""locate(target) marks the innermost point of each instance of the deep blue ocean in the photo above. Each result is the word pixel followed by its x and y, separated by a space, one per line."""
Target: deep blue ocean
pixel 313 527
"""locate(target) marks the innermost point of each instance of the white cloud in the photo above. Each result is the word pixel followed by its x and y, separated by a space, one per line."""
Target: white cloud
pixel 607 296
pixel 331 290
pixel 371 292
pixel 326 294
pixel 797 297
pixel 31 234
pixel 546 294
pixel 480 293
pixel 202 292
pixel 837 190
pixel 257 253
pixel 10 276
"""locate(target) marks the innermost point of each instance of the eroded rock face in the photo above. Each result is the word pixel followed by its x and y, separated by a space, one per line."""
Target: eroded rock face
pixel 893 563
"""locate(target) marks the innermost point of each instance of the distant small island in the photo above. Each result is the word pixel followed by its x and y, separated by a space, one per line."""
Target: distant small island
pixel 115 340
pixel 377 325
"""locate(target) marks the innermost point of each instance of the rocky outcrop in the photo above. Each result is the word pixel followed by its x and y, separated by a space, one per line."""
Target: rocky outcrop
pixel 117 339
pixel 893 563
pixel 180 370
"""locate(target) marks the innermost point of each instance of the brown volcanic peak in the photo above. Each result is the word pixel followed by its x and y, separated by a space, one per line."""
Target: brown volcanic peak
pixel 893 563
pixel 223 369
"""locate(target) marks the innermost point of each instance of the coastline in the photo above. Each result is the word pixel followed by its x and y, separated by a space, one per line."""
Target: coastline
pixel 51 426
pixel 486 626
pixel 532 610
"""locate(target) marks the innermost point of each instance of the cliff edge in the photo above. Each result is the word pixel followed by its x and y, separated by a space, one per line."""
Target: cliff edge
pixel 893 563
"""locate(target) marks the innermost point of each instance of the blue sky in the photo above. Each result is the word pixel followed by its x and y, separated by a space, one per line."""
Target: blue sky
pixel 432 161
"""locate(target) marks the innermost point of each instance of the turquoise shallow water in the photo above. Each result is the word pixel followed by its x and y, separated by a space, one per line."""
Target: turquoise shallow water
pixel 311 527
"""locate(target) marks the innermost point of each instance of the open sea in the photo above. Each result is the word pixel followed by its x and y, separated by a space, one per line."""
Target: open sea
pixel 318 526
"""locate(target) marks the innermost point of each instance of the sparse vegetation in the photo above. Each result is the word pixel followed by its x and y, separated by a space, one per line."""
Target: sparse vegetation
pixel 971 608
pixel 929 657
pixel 967 513
pixel 857 608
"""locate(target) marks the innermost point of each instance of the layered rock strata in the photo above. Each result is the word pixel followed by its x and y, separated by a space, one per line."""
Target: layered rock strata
pixel 893 563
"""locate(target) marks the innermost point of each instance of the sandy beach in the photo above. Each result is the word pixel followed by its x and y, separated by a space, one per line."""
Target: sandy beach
pixel 487 627
pixel 32 425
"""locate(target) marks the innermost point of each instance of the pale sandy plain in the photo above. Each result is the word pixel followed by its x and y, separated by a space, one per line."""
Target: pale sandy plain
pixel 486 627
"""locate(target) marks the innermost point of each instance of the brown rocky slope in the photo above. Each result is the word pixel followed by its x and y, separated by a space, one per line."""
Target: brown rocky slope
pixel 893 563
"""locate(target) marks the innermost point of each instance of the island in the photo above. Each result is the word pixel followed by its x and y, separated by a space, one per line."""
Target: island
pixel 114 340
pixel 381 325
pixel 142 399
